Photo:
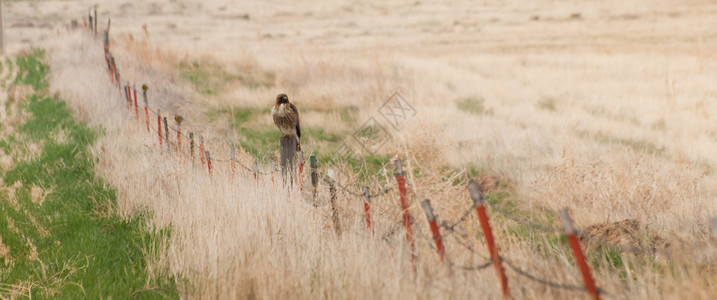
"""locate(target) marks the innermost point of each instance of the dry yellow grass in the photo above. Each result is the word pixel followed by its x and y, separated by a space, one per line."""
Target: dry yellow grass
pixel 602 107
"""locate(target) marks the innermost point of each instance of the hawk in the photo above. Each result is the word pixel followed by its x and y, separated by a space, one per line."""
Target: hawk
pixel 286 117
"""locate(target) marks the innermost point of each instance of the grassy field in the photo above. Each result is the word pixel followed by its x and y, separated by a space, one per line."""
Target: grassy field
pixel 603 107
pixel 60 234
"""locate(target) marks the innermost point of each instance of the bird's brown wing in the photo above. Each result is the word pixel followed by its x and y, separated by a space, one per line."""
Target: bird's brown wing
pixel 275 116
pixel 295 114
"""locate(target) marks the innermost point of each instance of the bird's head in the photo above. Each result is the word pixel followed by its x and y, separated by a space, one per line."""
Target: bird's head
pixel 281 99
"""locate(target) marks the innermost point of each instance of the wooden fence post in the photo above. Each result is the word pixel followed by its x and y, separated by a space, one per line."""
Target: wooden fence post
pixel 334 211
pixel 401 179
pixel 191 146
pixel 314 177
pixel 106 42
pixel 488 233
pixel 127 95
pixel 159 128
pixel 94 27
pixel 301 171
pixel 288 159
pixel 146 105
pixel 578 253
pixel 91 20
pixel 166 132
pixel 426 204
pixel 178 119
pixel 367 207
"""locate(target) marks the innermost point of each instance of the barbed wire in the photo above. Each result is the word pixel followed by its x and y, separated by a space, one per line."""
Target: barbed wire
pixel 451 228
pixel 384 190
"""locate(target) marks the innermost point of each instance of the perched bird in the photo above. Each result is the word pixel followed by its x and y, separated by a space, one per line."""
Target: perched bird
pixel 286 117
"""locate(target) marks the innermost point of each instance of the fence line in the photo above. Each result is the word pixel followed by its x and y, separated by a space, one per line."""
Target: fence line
pixel 407 221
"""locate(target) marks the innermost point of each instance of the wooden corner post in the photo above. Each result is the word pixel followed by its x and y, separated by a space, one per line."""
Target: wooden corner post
pixel 288 159
pixel 314 177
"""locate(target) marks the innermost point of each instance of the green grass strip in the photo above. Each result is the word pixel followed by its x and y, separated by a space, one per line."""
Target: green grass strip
pixel 71 245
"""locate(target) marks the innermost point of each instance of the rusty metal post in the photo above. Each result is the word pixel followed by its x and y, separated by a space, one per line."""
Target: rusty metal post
pixel 367 207
pixel 401 179
pixel 488 233
pixel 578 253
pixel 209 162
pixel 426 204
pixel 159 128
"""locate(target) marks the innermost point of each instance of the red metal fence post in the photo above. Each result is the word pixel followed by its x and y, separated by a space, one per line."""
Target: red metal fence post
pixel 367 207
pixel 434 229
pixel 209 162
pixel 578 253
pixel 400 177
pixel 136 108
pixel 488 232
